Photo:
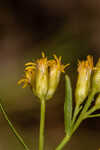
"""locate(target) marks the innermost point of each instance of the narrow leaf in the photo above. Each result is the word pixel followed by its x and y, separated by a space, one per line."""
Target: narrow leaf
pixel 68 105
pixel 12 127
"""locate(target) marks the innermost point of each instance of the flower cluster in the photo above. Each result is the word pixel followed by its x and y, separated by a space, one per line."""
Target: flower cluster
pixel 43 76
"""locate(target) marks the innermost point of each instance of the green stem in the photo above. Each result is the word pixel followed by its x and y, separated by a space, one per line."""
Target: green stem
pixel 82 115
pixel 13 129
pixel 42 124
pixel 76 112
pixel 93 116
pixel 63 143
pixel 93 109
pixel 88 102
pixel 34 140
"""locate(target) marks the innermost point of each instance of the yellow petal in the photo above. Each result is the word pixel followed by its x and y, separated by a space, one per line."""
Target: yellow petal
pixel 43 54
pixel 66 65
pixel 60 58
pixel 30 63
pixel 21 81
pixel 56 58
pixel 30 67
pixel 25 84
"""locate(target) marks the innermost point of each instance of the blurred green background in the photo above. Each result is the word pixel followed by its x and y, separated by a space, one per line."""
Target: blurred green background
pixel 68 28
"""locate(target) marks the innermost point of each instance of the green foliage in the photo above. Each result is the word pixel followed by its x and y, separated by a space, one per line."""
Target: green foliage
pixel 68 105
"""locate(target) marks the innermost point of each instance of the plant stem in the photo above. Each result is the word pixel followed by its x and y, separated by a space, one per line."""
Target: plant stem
pixel 94 108
pixel 93 116
pixel 83 113
pixel 63 143
pixel 34 140
pixel 76 112
pixel 88 102
pixel 42 124
pixel 13 129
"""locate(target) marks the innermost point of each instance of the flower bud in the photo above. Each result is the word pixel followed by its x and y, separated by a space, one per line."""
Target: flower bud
pixel 96 77
pixel 42 77
pixel 36 76
pixel 54 75
pixel 83 82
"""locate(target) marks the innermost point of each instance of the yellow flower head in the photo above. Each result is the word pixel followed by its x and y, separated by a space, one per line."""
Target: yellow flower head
pixel 83 83
pixel 43 76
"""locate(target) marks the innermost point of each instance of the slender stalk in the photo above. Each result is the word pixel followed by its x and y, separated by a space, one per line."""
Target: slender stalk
pixel 34 139
pixel 82 115
pixel 93 116
pixel 13 129
pixel 63 143
pixel 42 124
pixel 76 112
pixel 93 109
pixel 88 102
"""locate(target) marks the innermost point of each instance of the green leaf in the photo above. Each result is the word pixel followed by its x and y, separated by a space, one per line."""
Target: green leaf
pixel 12 127
pixel 68 105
